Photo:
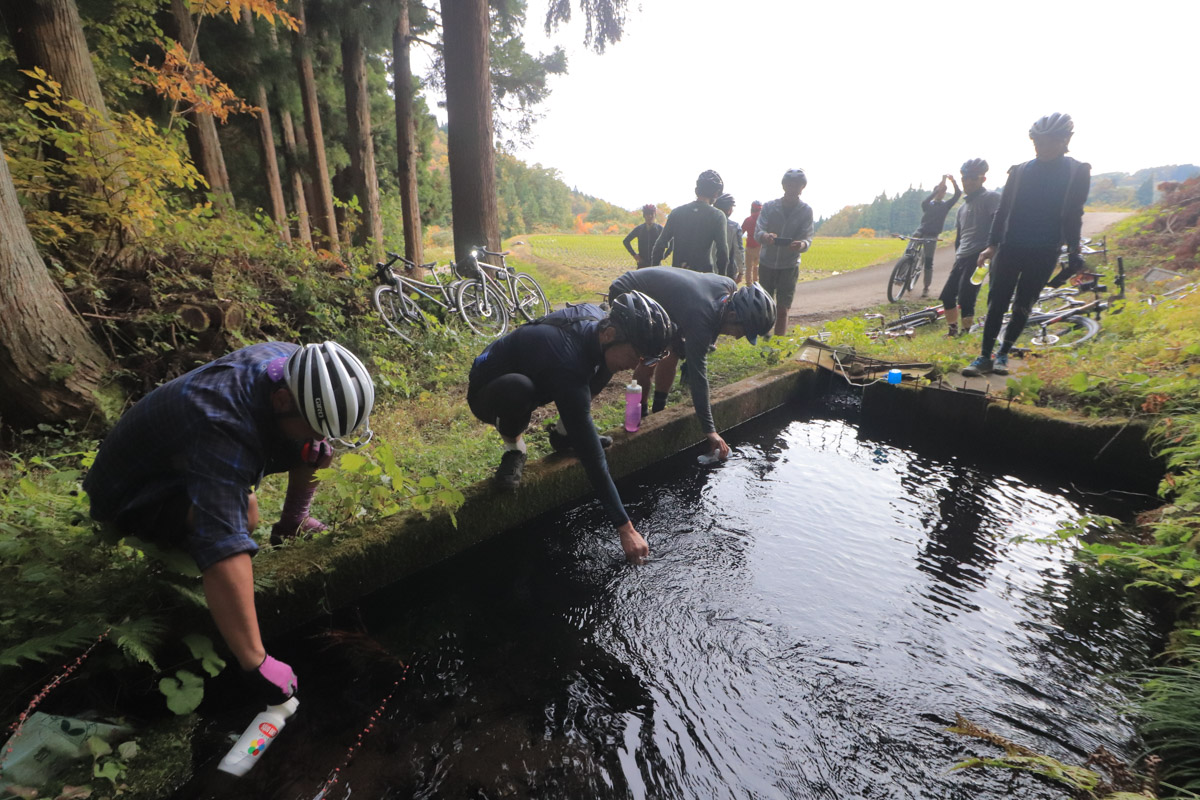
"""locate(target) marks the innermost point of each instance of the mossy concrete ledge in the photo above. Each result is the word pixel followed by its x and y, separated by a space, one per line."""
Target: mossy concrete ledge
pixel 311 578
pixel 1107 450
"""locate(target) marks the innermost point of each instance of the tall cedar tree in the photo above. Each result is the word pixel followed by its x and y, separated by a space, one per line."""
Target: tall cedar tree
pixel 51 370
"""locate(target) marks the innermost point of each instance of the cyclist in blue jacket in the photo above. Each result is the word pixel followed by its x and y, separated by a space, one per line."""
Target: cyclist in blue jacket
pixel 567 357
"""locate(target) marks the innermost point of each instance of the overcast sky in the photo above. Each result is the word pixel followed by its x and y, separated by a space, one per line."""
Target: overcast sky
pixel 865 96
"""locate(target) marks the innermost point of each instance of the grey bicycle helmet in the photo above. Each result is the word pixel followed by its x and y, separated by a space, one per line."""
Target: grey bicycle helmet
pixel 709 184
pixel 333 391
pixel 796 175
pixel 1056 125
pixel 974 168
pixel 754 309
pixel 643 323
pixel 725 202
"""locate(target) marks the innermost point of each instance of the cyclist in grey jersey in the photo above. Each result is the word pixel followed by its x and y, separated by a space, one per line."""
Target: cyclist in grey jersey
pixel 703 307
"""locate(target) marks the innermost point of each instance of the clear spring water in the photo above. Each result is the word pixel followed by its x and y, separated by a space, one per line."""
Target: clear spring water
pixel 815 613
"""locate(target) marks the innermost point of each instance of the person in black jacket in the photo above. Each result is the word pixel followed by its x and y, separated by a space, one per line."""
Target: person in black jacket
pixel 1041 209
pixel 567 357
pixel 933 218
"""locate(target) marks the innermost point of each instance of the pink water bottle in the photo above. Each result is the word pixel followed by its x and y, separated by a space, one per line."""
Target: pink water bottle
pixel 633 406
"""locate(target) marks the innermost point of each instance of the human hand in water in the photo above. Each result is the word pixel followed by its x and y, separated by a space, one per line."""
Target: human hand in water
pixel 717 445
pixel 635 547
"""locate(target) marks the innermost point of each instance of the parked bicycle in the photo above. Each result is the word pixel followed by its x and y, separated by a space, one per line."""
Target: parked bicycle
pixel 523 296
pixel 907 324
pixel 396 301
pixel 1073 320
pixel 908 268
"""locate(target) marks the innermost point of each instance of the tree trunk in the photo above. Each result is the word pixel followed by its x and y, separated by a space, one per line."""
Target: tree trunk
pixel 406 139
pixel 292 160
pixel 266 137
pixel 51 370
pixel 202 135
pixel 469 119
pixel 359 141
pixel 323 210
pixel 49 34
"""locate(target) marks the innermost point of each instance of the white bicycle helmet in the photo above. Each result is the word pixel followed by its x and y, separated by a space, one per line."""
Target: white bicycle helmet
pixel 333 392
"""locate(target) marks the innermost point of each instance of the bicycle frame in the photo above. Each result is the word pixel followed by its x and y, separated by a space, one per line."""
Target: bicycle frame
pixel 385 274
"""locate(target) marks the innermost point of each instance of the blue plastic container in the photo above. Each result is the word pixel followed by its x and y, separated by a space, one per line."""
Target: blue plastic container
pixel 895 376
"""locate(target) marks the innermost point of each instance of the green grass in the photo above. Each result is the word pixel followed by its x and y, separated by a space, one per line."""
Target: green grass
pixel 591 262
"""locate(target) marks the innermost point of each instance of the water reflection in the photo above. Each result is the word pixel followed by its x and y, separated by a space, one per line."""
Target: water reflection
pixel 816 612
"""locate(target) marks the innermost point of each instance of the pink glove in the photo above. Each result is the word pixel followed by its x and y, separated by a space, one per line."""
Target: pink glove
pixel 318 452
pixel 275 680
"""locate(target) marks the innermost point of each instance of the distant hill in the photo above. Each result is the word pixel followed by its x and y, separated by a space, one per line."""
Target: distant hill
pixel 1123 190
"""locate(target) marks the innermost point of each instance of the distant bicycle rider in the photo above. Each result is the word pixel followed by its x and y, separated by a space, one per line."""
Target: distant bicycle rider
pixel 933 218
pixel 646 235
pixel 696 230
pixel 567 357
pixel 705 306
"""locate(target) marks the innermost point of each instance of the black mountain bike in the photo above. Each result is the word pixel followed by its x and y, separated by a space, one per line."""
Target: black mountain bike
pixel 908 268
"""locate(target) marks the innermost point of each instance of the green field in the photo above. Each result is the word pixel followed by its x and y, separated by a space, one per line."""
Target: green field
pixel 593 261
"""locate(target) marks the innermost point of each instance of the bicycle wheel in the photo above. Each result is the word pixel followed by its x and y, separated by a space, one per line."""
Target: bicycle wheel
pixel 531 300
pixel 902 274
pixel 1066 332
pixel 482 309
pixel 399 313
pixel 1056 302
pixel 917 269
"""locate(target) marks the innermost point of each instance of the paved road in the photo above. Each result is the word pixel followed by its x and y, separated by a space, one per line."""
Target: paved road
pixel 830 298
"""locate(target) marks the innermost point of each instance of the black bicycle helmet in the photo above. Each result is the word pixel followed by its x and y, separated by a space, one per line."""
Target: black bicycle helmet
pixel 643 323
pixel 725 202
pixel 974 168
pixel 754 309
pixel 796 174
pixel 333 391
pixel 756 205
pixel 649 208
pixel 1056 125
pixel 709 184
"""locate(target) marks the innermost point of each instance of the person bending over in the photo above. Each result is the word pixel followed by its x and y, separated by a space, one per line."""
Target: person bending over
pixel 704 306
pixel 567 357
pixel 180 467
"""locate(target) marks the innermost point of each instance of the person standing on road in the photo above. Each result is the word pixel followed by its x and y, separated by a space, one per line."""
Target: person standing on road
pixel 784 230
pixel 705 306
pixel 180 467
pixel 972 227
pixel 933 219
pixel 696 230
pixel 752 246
pixel 646 235
pixel 567 357
pixel 736 265
pixel 1041 209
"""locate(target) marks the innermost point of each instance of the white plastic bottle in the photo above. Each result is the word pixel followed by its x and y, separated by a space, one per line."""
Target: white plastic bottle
pixel 257 738
pixel 633 406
